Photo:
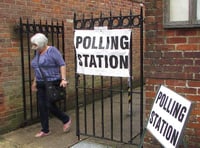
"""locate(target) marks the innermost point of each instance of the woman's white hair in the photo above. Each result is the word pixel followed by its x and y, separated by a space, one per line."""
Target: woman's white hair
pixel 39 39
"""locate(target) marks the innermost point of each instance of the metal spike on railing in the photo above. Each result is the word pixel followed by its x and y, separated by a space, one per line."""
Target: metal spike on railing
pixel 82 22
pixel 34 27
pixel 101 19
pixel 131 12
pixel 92 21
pixel 27 26
pixel 40 27
pixel 46 28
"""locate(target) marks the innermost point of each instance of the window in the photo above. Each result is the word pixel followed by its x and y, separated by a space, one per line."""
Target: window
pixel 181 13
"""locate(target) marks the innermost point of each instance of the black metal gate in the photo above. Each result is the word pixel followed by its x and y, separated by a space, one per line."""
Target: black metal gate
pixel 55 33
pixel 102 102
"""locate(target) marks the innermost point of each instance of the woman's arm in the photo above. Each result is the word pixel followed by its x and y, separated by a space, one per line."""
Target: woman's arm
pixel 63 76
pixel 33 86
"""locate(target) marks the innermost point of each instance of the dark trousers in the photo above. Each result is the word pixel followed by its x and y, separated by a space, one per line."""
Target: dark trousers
pixel 45 107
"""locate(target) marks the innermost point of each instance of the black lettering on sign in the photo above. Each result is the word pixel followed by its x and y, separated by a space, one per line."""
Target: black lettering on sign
pixel 86 59
pixel 124 42
pixel 93 43
pixel 79 60
pixel 123 62
pixel 167 131
pixel 93 62
pixel 103 42
pixel 78 41
pixel 100 58
pixel 103 61
pixel 159 96
pixel 87 42
pixel 182 115
pixel 113 61
pixel 171 106
pixel 114 42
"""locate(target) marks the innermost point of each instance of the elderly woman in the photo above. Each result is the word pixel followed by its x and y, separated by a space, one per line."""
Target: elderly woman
pixel 49 59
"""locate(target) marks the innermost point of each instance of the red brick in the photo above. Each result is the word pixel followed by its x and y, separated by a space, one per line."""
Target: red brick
pixel 175 82
pixel 194 40
pixel 184 90
pixel 175 40
pixel 155 81
pixel 150 94
pixel 193 83
pixel 186 32
pixel 193 69
pixel 193 125
pixel 193 97
pixel 37 1
pixel 186 47
pixel 169 33
pixel 150 19
pixel 192 54
pixel 2 108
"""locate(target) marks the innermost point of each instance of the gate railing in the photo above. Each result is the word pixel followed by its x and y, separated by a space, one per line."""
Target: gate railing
pixel 55 33
pixel 90 89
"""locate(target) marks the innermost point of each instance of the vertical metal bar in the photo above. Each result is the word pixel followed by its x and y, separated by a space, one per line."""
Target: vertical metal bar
pixel 111 107
pixel 22 70
pixel 63 40
pixel 40 27
pixel 63 51
pixel 85 103
pixel 29 68
pixel 58 47
pixel 76 90
pixel 34 27
pixel 52 33
pixel 77 106
pixel 83 22
pixel 141 69
pixel 57 35
pixel 121 112
pixel 102 107
pixel 46 28
pixel 131 87
pixel 93 105
pixel 34 31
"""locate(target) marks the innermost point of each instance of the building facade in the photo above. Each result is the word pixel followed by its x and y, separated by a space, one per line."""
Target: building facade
pixel 172 57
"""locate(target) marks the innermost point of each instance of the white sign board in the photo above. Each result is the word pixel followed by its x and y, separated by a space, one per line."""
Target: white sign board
pixel 103 52
pixel 168 117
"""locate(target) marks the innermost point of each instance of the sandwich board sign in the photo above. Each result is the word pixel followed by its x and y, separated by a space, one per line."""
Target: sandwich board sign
pixel 168 116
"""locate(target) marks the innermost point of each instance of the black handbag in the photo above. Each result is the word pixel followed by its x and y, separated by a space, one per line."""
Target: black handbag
pixel 53 90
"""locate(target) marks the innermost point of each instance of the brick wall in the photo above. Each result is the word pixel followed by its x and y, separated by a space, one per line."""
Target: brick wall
pixel 11 102
pixel 172 59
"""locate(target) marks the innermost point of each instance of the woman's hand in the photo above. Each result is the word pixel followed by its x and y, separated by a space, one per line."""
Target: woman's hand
pixel 33 86
pixel 64 83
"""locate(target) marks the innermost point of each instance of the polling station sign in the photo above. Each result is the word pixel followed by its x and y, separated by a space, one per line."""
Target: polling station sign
pixel 168 117
pixel 103 52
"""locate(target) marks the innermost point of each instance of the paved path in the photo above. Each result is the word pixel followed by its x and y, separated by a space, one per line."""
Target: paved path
pixel 24 137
